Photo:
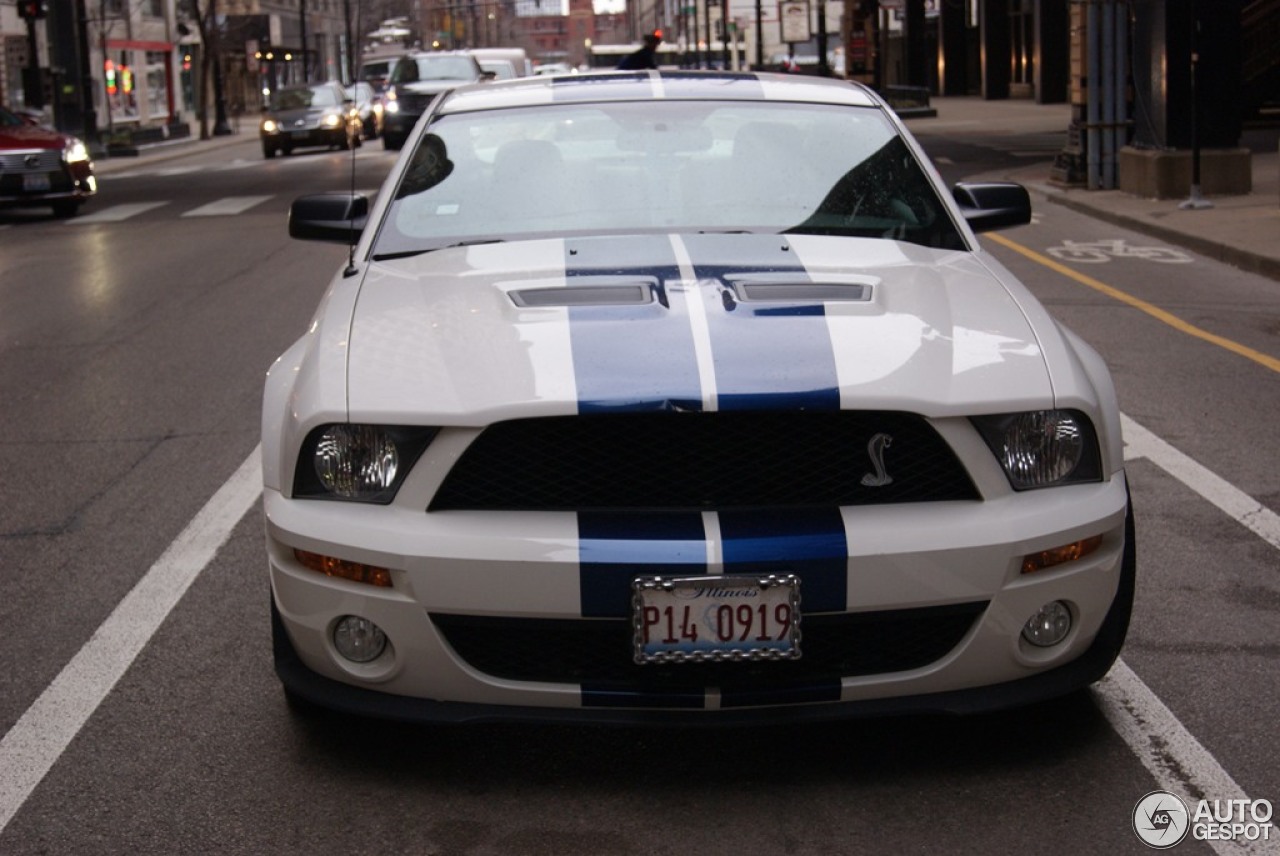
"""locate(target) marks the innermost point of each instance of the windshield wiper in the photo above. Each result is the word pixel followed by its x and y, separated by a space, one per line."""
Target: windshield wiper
pixel 406 254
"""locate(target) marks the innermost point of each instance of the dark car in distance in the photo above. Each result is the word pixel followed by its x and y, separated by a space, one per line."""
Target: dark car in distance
pixel 415 82
pixel 312 114
pixel 42 166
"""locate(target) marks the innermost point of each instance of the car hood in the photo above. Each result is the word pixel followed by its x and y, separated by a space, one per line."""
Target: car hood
pixel 31 137
pixel 472 335
pixel 431 87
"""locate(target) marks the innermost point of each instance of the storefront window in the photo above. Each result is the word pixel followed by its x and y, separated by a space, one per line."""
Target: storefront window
pixel 157 84
pixel 121 85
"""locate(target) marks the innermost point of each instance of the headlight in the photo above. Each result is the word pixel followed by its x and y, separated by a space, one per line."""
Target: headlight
pixel 1043 447
pixel 75 152
pixel 331 120
pixel 360 463
pixel 269 126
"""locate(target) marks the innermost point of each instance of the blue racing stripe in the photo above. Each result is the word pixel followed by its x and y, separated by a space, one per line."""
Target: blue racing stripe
pixel 809 543
pixel 771 356
pixel 631 357
pixel 614 549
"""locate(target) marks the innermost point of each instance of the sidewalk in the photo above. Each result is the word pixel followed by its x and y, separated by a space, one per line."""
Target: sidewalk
pixel 168 150
pixel 1243 231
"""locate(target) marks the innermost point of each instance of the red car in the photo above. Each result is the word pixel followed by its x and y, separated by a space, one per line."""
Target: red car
pixel 41 166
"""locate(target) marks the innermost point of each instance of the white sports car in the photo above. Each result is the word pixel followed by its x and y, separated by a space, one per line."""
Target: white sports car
pixel 684 397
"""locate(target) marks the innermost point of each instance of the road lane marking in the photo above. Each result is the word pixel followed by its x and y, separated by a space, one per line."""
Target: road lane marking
pixel 32 746
pixel 1235 503
pixel 1175 758
pixel 115 213
pixel 1151 309
pixel 227 206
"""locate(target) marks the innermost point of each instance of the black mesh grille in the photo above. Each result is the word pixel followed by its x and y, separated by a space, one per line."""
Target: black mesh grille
pixel 599 651
pixel 701 461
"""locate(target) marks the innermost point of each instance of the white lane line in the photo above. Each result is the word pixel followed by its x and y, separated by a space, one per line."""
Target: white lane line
pixel 226 206
pixel 1235 503
pixel 114 214
pixel 1175 758
pixel 39 738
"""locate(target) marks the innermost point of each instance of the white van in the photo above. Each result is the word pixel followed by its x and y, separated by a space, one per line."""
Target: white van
pixel 498 59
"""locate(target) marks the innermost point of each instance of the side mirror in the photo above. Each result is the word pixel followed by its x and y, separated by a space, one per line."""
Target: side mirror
pixel 988 206
pixel 335 217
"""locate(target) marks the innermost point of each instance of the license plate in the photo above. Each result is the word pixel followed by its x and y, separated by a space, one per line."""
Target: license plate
pixel 300 135
pixel 35 182
pixel 720 618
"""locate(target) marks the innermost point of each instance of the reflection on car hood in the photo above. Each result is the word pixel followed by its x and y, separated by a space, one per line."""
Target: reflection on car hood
pixel 31 137
pixel 476 334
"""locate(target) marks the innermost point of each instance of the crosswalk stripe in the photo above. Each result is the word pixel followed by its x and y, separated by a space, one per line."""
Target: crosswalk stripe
pixel 115 213
pixel 227 206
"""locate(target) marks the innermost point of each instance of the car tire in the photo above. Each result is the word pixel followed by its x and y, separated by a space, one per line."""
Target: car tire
pixel 268 152
pixel 393 144
pixel 286 150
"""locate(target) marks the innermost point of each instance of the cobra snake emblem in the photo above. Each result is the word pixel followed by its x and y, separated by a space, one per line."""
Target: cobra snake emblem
pixel 875 451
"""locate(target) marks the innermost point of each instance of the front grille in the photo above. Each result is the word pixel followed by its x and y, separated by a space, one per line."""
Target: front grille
pixel 704 462
pixel 45 160
pixel 599 651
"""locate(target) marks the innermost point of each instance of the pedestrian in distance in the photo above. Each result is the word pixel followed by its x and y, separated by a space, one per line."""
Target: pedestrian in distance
pixel 644 57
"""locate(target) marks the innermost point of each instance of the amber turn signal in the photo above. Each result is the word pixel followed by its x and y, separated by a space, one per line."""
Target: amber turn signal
pixel 341 568
pixel 1060 555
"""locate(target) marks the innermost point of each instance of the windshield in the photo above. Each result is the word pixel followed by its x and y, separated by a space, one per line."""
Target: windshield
pixel 297 99
pixel 662 166
pixel 434 67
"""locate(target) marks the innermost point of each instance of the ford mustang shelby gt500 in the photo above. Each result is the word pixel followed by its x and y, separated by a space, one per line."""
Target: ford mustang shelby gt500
pixel 684 397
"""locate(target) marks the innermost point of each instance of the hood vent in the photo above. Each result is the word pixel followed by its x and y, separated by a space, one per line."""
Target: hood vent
pixel 613 294
pixel 777 291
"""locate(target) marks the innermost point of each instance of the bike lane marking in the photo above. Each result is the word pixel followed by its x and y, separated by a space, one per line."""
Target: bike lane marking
pixel 36 741
pixel 1265 360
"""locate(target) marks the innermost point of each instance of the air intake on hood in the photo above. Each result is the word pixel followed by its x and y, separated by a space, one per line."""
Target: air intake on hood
pixel 801 292
pixel 624 294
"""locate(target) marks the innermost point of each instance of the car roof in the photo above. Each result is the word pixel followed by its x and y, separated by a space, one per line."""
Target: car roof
pixel 651 85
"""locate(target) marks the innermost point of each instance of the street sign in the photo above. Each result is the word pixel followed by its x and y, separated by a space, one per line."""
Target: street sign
pixel 795 21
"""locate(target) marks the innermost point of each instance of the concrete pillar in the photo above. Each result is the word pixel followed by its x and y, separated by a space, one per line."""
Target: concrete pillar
pixel 952 50
pixel 996 47
pixel 1053 38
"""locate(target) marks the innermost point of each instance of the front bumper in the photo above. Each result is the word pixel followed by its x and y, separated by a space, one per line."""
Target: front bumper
pixel 74 182
pixel 306 137
pixel 902 559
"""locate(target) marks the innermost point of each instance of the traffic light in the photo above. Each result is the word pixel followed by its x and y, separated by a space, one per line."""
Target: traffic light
pixel 31 10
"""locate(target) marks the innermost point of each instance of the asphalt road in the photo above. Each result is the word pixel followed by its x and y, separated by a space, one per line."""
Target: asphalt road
pixel 133 356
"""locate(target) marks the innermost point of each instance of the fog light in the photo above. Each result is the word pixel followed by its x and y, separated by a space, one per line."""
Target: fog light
pixel 358 639
pixel 1049 626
